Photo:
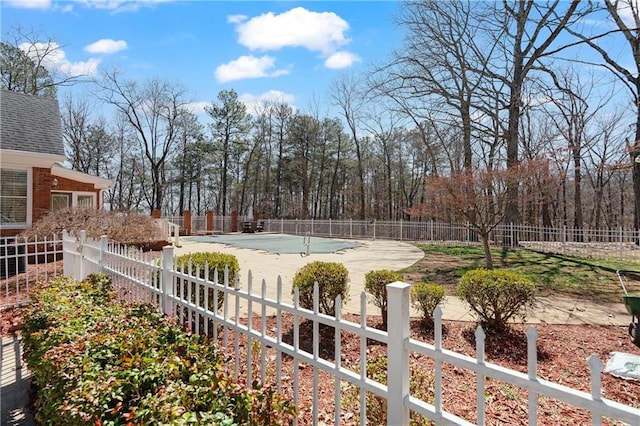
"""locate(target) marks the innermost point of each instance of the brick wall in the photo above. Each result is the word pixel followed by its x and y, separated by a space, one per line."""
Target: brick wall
pixel 42 187
pixel 42 182
pixel 65 184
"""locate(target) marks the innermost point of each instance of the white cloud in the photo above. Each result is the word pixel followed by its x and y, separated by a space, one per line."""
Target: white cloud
pixel 29 4
pixel 106 46
pixel 248 67
pixel 317 31
pixel 197 107
pixel 236 19
pixel 341 60
pixel 255 103
pixel 55 59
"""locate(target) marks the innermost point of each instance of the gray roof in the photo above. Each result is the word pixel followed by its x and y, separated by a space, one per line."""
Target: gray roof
pixel 30 123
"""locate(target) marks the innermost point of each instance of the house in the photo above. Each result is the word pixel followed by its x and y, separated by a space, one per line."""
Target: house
pixel 33 180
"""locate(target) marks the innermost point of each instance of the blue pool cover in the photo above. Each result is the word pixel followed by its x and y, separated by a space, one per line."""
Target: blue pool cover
pixel 285 244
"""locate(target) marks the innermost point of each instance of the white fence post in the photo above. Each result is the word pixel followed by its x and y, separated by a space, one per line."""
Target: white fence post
pixel 68 254
pixel 83 239
pixel 397 354
pixel 167 281
pixel 374 229
pixel 621 243
pixel 103 252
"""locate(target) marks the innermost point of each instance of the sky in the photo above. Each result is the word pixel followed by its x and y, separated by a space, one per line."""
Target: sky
pixel 287 51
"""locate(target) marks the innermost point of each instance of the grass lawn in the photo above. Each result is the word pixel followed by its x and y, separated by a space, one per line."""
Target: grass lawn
pixel 553 274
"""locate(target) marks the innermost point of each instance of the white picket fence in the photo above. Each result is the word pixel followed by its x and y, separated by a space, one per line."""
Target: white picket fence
pixel 176 291
pixel 170 230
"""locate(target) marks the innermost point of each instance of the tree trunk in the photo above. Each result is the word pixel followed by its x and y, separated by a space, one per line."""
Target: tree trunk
pixel 577 196
pixel 488 260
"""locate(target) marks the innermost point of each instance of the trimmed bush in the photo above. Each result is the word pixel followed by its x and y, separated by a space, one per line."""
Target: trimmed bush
pixel 213 261
pixel 332 279
pixel 111 364
pixel 426 297
pixel 496 296
pixel 375 283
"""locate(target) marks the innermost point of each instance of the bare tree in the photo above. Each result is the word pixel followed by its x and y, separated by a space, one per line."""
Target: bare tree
pixel 229 130
pixel 304 135
pixel 525 31
pixel 347 94
pixel 189 157
pixel 606 156
pixel 624 31
pixel 153 110
pixel 441 58
pixel 75 121
pixel 125 168
pixel 573 111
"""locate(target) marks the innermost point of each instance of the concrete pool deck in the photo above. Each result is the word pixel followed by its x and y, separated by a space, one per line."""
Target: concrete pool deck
pixel 368 256
pixel 384 254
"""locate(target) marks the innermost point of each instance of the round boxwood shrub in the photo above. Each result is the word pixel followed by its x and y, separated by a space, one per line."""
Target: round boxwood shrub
pixel 375 283
pixel 332 279
pixel 213 261
pixel 426 297
pixel 496 296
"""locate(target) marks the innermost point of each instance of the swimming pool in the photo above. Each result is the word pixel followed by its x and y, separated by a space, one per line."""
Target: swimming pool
pixel 278 243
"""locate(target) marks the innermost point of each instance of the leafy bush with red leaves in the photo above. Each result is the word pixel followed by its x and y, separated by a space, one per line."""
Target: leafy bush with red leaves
pixel 97 361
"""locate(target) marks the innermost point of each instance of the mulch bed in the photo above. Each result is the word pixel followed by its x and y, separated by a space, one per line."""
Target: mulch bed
pixel 562 352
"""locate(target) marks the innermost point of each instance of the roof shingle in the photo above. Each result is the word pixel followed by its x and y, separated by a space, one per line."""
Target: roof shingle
pixel 30 123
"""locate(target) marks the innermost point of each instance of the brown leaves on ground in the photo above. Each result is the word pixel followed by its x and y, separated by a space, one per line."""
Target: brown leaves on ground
pixel 562 352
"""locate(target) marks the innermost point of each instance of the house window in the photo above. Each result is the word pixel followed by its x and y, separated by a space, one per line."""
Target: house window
pixel 85 201
pixel 60 200
pixel 63 200
pixel 13 197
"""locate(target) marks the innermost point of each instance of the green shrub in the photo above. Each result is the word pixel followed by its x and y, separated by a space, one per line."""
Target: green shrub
pixel 113 364
pixel 332 279
pixel 214 261
pixel 421 385
pixel 426 297
pixel 496 296
pixel 375 283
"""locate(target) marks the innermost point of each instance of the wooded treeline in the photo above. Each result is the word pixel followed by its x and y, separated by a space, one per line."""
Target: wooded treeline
pixel 475 87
